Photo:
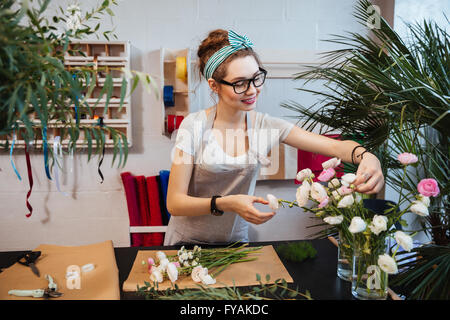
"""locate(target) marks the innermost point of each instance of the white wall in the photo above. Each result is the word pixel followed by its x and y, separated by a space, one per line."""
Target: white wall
pixel 96 212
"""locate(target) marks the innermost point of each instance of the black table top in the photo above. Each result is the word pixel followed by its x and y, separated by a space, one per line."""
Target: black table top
pixel 317 275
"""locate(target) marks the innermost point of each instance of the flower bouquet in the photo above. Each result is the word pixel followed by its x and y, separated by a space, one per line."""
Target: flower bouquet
pixel 197 263
pixel 365 234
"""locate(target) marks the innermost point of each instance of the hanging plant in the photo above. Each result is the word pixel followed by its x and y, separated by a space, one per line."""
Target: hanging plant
pixel 38 91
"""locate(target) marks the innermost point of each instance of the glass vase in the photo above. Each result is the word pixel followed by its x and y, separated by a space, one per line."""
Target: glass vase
pixel 345 256
pixel 369 281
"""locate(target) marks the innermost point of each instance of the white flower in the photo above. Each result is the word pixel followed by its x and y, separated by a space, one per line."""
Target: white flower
pixel 160 255
pixel 190 255
pixel 156 275
pixel 425 200
pixel 194 263
pixel 334 220
pixel 273 202
pixel 73 9
pixel 302 194
pixel 419 208
pixel 207 279
pixel 346 201
pixel 172 272
pixel 378 224
pixel 347 179
pixel 332 163
pixel 186 263
pixel 195 274
pixel 334 183
pixel 184 256
pixel 387 264
pixel 196 247
pixel 318 192
pixel 357 225
pixel 404 240
pixel 73 23
pixel 304 174
pixel 164 263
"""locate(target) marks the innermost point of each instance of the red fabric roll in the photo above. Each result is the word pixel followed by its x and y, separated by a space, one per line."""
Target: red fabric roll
pixel 313 161
pixel 144 208
pixel 157 238
pixel 170 123
pixel 129 183
pixel 178 121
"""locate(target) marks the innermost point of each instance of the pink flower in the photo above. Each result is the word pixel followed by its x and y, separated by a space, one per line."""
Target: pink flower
pixel 406 158
pixel 428 188
pixel 343 190
pixel 324 202
pixel 326 175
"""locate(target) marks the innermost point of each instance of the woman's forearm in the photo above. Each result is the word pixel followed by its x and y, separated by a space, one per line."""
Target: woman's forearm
pixel 184 205
pixel 345 149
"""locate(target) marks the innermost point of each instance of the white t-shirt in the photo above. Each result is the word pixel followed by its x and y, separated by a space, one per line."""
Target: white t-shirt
pixel 266 132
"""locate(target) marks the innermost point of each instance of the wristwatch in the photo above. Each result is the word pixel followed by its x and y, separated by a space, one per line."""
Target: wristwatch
pixel 214 210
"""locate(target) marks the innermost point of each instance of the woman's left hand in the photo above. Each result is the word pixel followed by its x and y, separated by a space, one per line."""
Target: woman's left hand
pixel 369 177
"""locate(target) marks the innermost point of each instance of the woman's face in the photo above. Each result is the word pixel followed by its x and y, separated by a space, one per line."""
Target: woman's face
pixel 240 69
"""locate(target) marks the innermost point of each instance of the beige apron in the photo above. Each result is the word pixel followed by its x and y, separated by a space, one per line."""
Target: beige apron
pixel 229 180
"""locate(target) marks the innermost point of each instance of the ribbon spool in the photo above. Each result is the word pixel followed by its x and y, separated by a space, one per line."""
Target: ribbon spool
pixel 168 96
pixel 181 68
pixel 173 122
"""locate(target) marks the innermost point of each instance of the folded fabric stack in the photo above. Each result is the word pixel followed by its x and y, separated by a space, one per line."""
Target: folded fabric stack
pixel 146 202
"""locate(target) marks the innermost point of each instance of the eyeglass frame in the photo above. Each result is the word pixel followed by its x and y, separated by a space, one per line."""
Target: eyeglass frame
pixel 252 80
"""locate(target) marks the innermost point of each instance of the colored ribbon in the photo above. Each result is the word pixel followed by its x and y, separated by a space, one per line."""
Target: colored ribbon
pixel 44 138
pixel 168 96
pixel 173 122
pixel 237 43
pixel 181 68
pixel 101 124
pixel 57 155
pixel 10 155
pixel 30 180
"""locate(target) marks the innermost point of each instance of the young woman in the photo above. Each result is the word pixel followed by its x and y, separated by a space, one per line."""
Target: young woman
pixel 212 178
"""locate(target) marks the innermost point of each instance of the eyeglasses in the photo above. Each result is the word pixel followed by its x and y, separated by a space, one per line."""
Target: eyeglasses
pixel 242 86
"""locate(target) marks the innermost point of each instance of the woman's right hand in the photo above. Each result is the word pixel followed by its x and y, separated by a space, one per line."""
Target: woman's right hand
pixel 242 204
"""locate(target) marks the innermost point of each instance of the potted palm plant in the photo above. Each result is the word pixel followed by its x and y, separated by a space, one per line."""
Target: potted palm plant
pixel 394 95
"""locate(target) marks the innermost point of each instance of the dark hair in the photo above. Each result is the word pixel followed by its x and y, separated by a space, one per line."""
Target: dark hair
pixel 216 40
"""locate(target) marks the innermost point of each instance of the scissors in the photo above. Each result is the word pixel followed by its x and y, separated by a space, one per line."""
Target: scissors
pixel 50 292
pixel 28 259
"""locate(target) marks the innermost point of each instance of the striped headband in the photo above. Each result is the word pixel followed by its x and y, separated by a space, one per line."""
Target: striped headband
pixel 237 43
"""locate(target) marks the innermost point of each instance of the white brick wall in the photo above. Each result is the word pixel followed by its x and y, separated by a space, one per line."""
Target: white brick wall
pixel 96 212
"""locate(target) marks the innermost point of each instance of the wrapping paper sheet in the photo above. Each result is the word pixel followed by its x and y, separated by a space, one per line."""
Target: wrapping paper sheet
pixel 243 273
pixel 102 283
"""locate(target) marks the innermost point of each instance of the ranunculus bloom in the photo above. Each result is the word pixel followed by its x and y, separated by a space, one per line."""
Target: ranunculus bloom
pixel 332 163
pixel 346 201
pixel 304 174
pixel 156 276
pixel 160 255
pixel 150 261
pixel 378 224
pixel 347 179
pixel 326 175
pixel 404 240
pixel 334 220
pixel 318 191
pixel 428 187
pixel 207 279
pixel 406 158
pixel 424 200
pixel 172 272
pixel 273 202
pixel 419 208
pixel 343 190
pixel 387 264
pixel 324 202
pixel 195 273
pixel 357 225
pixel 164 263
pixel 302 194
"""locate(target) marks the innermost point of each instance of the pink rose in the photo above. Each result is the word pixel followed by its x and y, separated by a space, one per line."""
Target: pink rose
pixel 406 158
pixel 428 188
pixel 324 202
pixel 326 175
